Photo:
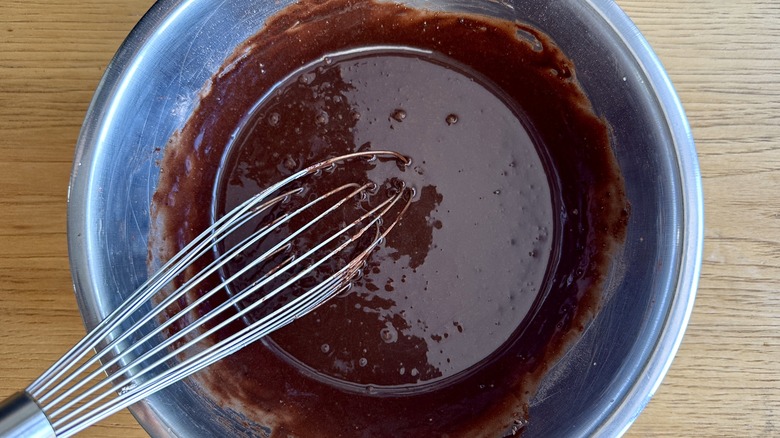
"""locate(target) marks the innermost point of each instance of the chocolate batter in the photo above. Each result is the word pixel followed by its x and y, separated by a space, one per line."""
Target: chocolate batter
pixel 494 269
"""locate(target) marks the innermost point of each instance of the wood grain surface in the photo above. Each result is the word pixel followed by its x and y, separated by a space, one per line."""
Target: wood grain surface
pixel 723 57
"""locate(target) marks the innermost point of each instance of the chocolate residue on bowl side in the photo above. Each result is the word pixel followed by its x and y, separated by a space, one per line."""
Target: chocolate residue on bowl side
pixel 520 207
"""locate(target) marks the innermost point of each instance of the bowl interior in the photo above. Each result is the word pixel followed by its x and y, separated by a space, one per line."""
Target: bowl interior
pixel 603 382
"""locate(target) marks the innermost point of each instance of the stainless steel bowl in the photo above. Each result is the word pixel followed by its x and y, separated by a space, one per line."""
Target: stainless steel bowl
pixel 601 385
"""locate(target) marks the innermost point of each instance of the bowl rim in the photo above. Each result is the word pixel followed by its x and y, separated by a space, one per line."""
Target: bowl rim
pixel 626 410
pixel 692 235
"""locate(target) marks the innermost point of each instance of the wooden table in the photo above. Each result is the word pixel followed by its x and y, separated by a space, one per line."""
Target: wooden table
pixel 723 56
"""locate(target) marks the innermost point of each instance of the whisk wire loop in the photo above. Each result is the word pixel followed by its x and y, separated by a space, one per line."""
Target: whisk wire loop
pixel 167 273
pixel 277 319
pixel 219 234
pixel 114 367
pixel 141 296
pixel 214 312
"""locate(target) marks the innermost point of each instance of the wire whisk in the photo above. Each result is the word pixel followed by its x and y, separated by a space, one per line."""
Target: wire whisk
pixel 170 328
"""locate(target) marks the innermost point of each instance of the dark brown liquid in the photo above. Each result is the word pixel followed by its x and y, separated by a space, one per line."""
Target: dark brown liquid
pixel 435 300
pixel 497 265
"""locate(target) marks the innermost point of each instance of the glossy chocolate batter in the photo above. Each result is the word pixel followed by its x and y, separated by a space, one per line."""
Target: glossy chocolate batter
pixel 494 269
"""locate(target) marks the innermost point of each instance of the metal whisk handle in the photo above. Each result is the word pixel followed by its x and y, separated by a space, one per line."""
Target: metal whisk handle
pixel 21 417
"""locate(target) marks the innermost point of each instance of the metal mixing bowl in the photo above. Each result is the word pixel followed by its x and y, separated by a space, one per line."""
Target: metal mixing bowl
pixel 600 386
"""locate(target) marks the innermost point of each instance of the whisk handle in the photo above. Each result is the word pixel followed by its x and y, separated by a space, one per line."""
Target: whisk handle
pixel 21 417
